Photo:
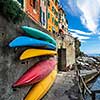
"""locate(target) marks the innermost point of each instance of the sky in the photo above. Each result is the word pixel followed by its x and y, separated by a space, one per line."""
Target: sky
pixel 84 23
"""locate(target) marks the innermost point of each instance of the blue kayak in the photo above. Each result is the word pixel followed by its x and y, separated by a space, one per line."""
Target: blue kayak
pixel 27 41
pixel 35 33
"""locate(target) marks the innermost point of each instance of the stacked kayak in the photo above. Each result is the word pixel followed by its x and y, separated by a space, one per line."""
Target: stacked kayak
pixel 41 88
pixel 27 41
pixel 36 73
pixel 36 52
pixel 43 73
pixel 38 34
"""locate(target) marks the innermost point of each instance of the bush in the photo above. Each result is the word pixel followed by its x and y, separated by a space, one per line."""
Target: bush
pixel 11 10
pixel 77 47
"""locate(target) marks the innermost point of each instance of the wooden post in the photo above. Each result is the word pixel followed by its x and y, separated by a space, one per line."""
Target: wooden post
pixel 83 87
pixel 93 95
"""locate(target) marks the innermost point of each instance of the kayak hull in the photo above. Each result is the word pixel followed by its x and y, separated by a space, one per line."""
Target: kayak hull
pixel 36 73
pixel 41 88
pixel 38 34
pixel 29 53
pixel 27 41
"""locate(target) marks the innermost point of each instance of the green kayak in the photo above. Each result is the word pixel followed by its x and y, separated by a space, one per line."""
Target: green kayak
pixel 38 34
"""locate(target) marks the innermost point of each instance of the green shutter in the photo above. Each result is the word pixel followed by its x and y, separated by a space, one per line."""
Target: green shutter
pixel 48 15
pixel 56 23
pixel 40 14
pixel 52 8
pixel 52 19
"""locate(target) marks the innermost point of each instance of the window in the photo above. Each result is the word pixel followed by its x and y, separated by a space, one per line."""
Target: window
pixel 52 19
pixel 53 29
pixel 56 14
pixel 62 26
pixel 56 2
pixel 56 23
pixel 40 14
pixel 53 9
pixel 48 15
pixel 43 18
pixel 62 20
pixel 45 2
pixel 34 4
pixel 48 2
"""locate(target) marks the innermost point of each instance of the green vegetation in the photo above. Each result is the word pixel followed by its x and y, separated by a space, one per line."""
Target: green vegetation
pixel 11 10
pixel 77 48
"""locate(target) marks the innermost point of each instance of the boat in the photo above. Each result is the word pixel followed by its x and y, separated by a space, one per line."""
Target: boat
pixel 41 88
pixel 38 34
pixel 29 53
pixel 28 41
pixel 36 73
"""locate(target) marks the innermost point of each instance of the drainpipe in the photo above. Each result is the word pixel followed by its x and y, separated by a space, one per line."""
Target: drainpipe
pixel 46 14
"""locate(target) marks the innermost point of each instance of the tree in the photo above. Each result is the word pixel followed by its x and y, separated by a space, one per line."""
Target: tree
pixel 11 10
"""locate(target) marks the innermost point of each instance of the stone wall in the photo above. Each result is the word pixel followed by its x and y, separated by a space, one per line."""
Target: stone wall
pixel 70 50
pixel 11 68
pixel 69 44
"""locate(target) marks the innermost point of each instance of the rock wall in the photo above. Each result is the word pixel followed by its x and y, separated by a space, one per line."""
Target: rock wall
pixel 11 68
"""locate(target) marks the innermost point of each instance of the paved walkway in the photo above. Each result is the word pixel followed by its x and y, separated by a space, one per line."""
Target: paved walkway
pixel 64 88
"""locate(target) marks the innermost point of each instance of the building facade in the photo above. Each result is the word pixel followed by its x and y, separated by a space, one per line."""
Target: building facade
pixel 63 23
pixel 43 13
pixel 32 9
pixel 52 20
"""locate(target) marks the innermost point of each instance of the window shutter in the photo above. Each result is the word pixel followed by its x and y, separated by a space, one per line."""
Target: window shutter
pixel 48 15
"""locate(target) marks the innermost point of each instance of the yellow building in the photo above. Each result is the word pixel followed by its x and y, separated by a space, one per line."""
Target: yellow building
pixel 52 19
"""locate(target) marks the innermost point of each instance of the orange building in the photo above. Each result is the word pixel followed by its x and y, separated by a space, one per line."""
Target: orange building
pixel 52 20
pixel 32 8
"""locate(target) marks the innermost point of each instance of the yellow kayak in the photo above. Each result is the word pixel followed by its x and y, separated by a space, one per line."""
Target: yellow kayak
pixel 29 53
pixel 41 88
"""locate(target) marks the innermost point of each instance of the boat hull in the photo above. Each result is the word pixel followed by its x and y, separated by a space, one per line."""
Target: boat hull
pixel 27 41
pixel 41 88
pixel 29 53
pixel 38 34
pixel 36 73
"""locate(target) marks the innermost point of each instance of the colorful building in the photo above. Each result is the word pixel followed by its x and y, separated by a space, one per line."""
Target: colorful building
pixel 32 9
pixel 52 20
pixel 43 13
pixel 63 23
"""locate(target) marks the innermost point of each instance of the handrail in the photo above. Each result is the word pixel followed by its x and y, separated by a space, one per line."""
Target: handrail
pixel 93 77
pixel 82 84
pixel 87 89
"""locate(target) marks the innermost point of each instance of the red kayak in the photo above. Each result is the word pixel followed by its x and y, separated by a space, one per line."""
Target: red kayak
pixel 36 73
